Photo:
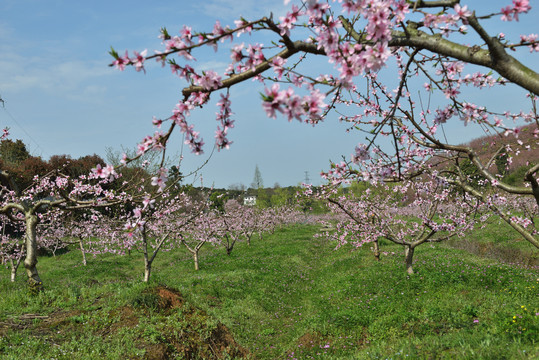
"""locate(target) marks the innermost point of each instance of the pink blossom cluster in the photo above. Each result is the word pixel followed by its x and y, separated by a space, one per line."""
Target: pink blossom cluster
pixel 241 61
pixel 5 134
pixel 181 112
pixel 309 108
pixel 137 61
pixel 361 153
pixel 103 172
pixel 161 179
pixel 178 43
pixel 442 115
pixel 287 22
pixel 154 142
pixel 511 12
pixel 225 123
pixel 209 80
pixel 532 40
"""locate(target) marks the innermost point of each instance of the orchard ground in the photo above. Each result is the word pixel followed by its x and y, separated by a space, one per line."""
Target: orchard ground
pixel 289 295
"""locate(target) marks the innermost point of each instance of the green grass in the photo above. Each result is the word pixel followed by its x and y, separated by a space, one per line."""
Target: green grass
pixel 287 296
pixel 499 241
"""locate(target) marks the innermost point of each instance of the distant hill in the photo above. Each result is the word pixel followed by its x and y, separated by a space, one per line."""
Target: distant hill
pixel 520 152
pixel 525 146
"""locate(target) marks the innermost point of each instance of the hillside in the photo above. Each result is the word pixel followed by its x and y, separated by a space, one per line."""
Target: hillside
pixel 524 145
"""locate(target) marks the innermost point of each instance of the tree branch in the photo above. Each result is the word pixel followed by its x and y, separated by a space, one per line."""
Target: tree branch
pixel 295 47
pixel 432 4
pixel 495 58
pixel 469 189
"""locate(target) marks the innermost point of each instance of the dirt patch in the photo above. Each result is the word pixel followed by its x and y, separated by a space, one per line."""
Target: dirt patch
pixel 223 343
pixel 170 298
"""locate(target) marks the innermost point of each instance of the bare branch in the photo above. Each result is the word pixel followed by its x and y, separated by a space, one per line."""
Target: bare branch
pixel 432 4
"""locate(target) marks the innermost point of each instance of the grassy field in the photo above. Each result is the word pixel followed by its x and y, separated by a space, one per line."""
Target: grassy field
pixel 288 296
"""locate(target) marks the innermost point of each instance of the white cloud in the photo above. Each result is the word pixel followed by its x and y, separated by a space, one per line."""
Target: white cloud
pixel 218 66
pixel 20 74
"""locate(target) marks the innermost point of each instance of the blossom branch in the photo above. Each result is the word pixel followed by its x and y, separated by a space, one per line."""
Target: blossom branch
pixel 295 47
pixel 506 65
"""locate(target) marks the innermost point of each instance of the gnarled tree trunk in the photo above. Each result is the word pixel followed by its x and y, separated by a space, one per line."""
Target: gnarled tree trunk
pixel 31 253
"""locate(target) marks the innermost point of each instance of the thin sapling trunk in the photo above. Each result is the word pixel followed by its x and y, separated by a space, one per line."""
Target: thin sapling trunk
pixel 148 260
pixel 83 252
pixel 194 251
pixel 14 266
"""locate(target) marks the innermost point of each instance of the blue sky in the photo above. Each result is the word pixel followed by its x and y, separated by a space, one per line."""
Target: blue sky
pixel 61 97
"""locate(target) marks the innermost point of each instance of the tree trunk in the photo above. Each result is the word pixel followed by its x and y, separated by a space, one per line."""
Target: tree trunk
pixel 147 271
pixel 55 248
pixel 376 250
pixel 82 251
pixel 147 261
pixel 14 267
pixel 409 256
pixel 229 246
pixel 34 281
pixel 195 257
